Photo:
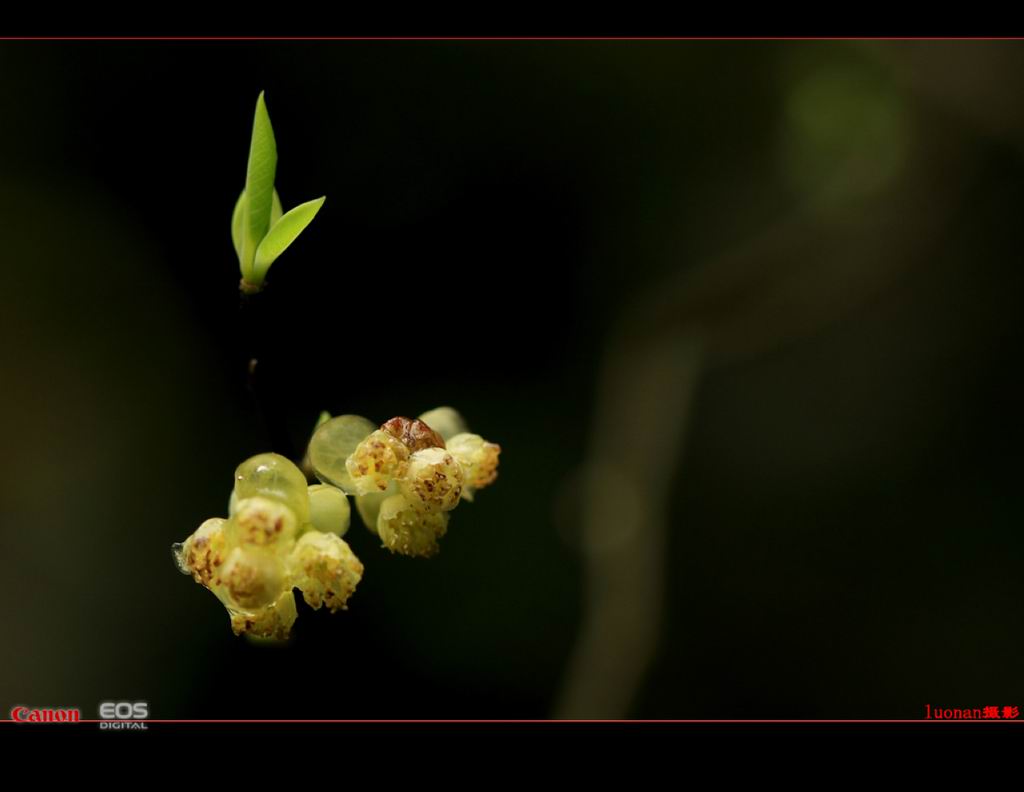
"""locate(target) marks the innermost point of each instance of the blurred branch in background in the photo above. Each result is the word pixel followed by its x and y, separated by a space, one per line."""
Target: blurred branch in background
pixel 877 207
pixel 966 80
pixel 642 408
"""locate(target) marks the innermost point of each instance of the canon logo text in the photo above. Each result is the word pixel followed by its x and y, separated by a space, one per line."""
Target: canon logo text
pixel 29 715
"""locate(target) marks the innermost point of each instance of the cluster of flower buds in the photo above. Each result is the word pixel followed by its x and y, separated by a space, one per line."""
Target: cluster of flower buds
pixel 281 534
pixel 406 475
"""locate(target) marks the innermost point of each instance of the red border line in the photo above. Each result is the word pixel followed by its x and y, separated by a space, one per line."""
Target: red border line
pixel 547 721
pixel 512 38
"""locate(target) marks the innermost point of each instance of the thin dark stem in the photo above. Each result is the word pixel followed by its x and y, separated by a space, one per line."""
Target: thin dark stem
pixel 254 324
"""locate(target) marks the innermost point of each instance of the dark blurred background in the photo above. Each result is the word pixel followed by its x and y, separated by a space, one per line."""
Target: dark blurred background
pixel 835 226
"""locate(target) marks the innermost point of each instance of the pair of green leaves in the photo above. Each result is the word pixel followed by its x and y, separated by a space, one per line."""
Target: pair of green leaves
pixel 260 230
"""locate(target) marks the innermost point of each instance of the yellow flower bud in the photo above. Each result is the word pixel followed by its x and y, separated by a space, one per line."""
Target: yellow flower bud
pixel 262 521
pixel 274 476
pixel 250 578
pixel 479 459
pixel 329 509
pixel 433 481
pixel 203 552
pixel 376 460
pixel 410 531
pixel 325 569
pixel 271 621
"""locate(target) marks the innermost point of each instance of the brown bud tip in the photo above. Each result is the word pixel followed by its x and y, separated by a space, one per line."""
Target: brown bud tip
pixel 415 434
